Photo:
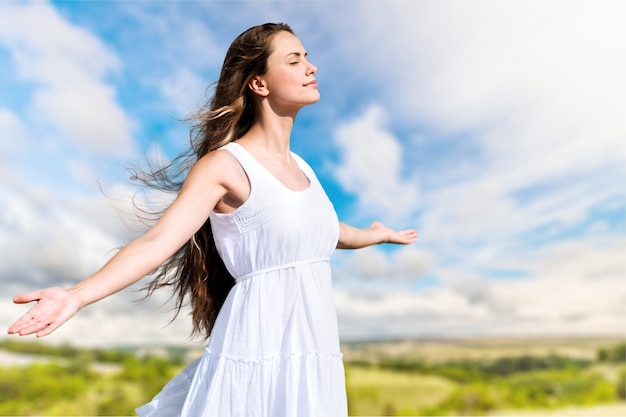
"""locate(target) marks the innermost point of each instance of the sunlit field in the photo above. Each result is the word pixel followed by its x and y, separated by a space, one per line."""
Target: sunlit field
pixel 487 377
pixel 531 377
pixel 374 391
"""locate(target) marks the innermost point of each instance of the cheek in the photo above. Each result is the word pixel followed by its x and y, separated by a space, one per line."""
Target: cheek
pixel 284 82
pixel 288 77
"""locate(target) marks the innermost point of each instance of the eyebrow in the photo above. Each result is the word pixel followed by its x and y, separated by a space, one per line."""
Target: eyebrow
pixel 298 54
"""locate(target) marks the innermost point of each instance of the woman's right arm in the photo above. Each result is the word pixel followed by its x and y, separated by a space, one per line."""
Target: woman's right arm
pixel 206 184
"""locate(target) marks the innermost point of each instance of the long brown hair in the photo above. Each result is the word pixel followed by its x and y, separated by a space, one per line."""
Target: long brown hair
pixel 195 272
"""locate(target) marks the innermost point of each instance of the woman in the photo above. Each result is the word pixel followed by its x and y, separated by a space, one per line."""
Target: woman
pixel 274 348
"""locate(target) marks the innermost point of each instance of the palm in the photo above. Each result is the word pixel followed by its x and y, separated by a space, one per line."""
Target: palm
pixel 401 237
pixel 54 307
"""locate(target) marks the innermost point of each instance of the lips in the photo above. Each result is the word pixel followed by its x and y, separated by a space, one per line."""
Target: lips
pixel 310 84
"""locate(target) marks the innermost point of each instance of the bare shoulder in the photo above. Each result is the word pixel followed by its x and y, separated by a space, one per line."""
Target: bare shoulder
pixel 220 166
pixel 221 169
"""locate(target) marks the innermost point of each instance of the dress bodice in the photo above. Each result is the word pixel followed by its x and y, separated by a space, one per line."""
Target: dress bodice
pixel 276 226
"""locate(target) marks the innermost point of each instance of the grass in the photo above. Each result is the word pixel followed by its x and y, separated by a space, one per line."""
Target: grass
pixel 373 391
pixel 379 392
pixel 377 389
pixel 604 410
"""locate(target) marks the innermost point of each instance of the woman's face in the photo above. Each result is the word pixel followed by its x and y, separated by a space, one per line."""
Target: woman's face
pixel 290 77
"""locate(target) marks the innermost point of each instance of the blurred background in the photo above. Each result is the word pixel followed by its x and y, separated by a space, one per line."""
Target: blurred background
pixel 496 129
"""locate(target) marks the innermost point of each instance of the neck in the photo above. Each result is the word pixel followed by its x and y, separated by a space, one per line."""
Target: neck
pixel 271 132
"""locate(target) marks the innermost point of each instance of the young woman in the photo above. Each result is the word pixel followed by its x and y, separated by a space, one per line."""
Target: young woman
pixel 249 236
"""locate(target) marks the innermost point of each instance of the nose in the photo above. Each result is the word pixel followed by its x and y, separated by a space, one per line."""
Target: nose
pixel 311 69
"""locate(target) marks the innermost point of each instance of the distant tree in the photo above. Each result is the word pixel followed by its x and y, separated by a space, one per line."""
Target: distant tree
pixel 616 353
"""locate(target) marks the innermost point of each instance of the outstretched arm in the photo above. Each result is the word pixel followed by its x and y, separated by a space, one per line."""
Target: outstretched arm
pixel 354 238
pixel 203 188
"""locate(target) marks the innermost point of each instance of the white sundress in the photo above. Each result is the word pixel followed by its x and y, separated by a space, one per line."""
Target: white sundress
pixel 274 350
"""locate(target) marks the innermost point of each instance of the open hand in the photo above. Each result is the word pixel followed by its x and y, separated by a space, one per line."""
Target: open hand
pixel 54 307
pixel 402 237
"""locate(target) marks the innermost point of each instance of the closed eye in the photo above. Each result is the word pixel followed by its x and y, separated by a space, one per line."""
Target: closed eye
pixel 296 55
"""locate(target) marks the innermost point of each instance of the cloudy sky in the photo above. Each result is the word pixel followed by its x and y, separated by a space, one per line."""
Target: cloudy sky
pixel 496 129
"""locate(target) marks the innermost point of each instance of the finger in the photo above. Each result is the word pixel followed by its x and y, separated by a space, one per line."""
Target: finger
pixel 33 327
pixel 49 329
pixel 32 316
pixel 407 236
pixel 27 297
pixel 20 324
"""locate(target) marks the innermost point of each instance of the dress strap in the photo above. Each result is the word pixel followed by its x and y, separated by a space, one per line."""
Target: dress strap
pixel 246 160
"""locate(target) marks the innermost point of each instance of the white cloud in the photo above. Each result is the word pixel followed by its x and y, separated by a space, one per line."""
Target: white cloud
pixel 48 241
pixel 81 171
pixel 67 66
pixel 194 54
pixel 86 114
pixel 577 288
pixel 577 284
pixel 371 165
pixel 374 263
pixel 535 87
pixel 183 92
pixel 406 314
pixel 14 136
pixel 476 63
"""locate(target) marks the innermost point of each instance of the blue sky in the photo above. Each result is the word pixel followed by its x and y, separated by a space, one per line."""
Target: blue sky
pixel 495 128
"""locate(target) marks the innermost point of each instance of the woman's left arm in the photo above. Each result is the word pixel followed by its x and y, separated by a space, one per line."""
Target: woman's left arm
pixel 354 238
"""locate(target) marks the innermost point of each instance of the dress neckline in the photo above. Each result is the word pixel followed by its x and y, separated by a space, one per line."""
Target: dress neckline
pixel 256 161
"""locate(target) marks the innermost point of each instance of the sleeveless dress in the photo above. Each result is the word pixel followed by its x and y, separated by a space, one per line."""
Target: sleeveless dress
pixel 274 349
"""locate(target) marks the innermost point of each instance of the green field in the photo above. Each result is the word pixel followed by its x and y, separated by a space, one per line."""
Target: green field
pixel 569 377
pixel 565 376
pixel 380 392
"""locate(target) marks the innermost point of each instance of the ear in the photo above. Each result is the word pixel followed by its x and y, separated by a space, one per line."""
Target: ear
pixel 258 86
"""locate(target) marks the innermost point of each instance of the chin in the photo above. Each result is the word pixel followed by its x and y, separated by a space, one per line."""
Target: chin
pixel 315 99
pixel 304 101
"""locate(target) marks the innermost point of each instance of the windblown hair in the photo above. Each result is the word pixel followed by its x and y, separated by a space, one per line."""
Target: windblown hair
pixel 195 272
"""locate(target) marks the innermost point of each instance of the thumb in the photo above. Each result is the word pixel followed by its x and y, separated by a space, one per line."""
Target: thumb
pixel 27 297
